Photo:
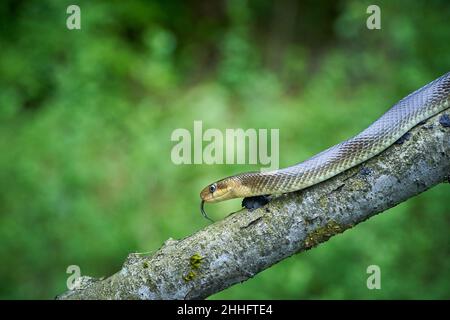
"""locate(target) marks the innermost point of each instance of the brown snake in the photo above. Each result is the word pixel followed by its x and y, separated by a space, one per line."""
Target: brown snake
pixel 399 119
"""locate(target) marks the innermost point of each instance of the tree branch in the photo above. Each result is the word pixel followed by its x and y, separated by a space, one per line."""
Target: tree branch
pixel 245 243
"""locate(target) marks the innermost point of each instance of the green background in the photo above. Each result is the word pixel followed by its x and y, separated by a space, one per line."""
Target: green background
pixel 86 118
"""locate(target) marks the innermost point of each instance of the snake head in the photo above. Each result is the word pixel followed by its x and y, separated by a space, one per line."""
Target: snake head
pixel 218 191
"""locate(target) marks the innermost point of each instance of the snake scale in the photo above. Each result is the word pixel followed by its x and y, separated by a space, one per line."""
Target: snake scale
pixel 392 125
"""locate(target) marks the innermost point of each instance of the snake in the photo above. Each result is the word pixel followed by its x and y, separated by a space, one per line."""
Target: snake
pixel 410 111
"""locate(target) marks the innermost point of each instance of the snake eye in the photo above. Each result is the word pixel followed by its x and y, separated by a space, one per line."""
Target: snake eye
pixel 212 188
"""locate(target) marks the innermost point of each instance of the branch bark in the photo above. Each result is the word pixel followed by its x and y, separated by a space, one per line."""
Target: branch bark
pixel 245 243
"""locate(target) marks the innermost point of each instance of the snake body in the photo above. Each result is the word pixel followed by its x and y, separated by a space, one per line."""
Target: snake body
pixel 392 125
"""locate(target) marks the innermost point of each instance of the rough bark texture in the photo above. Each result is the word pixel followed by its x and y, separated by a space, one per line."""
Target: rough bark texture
pixel 245 243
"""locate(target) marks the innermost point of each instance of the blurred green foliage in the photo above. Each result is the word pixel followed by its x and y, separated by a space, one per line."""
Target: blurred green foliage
pixel 86 118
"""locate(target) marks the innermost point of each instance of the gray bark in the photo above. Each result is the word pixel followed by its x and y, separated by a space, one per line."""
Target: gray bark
pixel 245 243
